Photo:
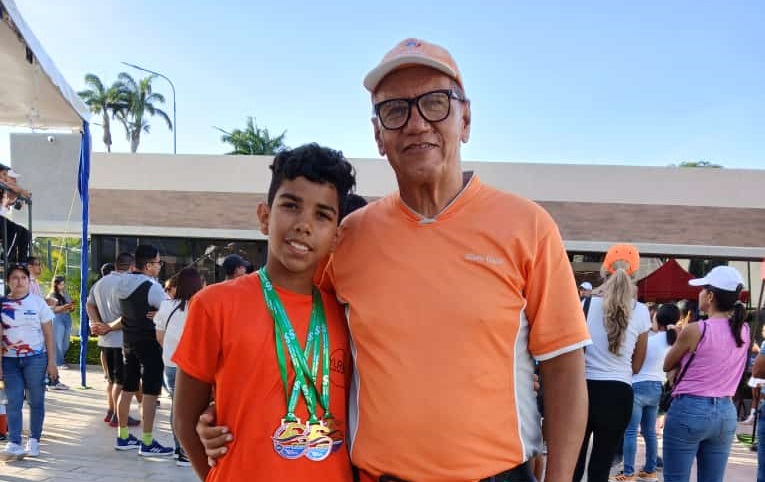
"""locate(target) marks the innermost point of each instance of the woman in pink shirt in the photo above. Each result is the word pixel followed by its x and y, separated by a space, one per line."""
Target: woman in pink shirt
pixel 710 356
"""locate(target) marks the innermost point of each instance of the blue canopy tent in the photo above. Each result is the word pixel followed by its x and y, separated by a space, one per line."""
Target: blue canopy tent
pixel 34 94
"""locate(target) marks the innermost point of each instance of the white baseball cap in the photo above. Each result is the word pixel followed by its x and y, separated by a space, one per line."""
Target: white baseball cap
pixel 586 285
pixel 721 277
pixel 10 171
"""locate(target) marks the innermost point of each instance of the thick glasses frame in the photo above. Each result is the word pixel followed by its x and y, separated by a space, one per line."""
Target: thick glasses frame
pixel 450 93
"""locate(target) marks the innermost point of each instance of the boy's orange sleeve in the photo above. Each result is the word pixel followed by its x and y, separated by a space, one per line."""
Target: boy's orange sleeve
pixel 198 353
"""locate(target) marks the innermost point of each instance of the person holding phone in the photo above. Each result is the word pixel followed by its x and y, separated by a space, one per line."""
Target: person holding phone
pixel 62 305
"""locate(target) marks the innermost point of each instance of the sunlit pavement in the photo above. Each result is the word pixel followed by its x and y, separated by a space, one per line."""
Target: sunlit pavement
pixel 78 445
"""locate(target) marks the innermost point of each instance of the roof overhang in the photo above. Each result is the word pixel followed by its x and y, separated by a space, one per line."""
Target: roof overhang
pixel 674 250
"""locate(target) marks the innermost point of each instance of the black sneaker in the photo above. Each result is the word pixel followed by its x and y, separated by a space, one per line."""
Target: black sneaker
pixel 183 461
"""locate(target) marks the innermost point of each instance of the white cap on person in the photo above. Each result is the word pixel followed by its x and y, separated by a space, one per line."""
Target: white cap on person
pixel 721 277
pixel 586 285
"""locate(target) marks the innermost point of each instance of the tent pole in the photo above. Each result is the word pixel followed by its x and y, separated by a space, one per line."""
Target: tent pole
pixel 757 312
pixel 83 180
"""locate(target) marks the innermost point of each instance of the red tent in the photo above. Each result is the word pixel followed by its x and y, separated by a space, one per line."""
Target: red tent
pixel 668 283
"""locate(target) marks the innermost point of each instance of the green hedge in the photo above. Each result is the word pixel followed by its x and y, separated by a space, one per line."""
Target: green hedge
pixel 73 354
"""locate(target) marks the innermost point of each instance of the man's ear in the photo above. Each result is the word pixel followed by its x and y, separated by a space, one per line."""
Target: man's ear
pixel 378 136
pixel 263 214
pixel 465 135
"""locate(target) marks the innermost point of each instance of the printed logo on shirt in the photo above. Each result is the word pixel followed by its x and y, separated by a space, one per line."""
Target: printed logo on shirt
pixel 338 363
pixel 484 259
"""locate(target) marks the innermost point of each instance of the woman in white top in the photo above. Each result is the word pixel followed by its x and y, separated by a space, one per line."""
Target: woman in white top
pixel 647 386
pixel 170 321
pixel 619 329
pixel 28 353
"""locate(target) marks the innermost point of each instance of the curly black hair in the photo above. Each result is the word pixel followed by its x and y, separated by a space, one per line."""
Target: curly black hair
pixel 315 163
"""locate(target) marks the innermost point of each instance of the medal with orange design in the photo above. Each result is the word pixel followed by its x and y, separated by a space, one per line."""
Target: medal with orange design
pixel 317 438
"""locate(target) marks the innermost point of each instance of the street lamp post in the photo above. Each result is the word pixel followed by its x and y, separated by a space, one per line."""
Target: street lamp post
pixel 175 124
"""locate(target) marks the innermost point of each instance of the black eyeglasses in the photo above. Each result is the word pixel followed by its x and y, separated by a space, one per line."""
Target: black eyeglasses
pixel 433 106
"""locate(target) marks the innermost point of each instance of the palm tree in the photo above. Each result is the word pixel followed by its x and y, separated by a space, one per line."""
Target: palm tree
pixel 104 102
pixel 253 140
pixel 140 101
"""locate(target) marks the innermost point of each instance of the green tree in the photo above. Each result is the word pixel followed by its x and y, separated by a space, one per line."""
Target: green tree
pixel 103 101
pixel 141 102
pixel 699 164
pixel 253 140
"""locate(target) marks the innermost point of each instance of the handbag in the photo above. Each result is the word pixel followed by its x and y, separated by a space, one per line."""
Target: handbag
pixel 666 393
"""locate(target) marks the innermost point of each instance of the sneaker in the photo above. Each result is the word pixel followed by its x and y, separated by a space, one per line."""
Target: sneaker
pixel 59 386
pixel 13 451
pixel 108 417
pixel 177 453
pixel 64 367
pixel 643 476
pixel 183 461
pixel 749 420
pixel 622 478
pixel 132 422
pixel 155 449
pixel 128 443
pixel 33 447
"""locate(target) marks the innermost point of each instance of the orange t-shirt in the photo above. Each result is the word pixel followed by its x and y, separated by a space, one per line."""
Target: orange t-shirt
pixel 446 317
pixel 228 341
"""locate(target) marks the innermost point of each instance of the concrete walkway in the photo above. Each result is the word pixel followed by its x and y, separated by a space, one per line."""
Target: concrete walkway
pixel 78 445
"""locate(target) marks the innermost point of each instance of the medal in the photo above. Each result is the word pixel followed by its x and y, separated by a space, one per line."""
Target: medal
pixel 319 445
pixel 318 438
pixel 290 439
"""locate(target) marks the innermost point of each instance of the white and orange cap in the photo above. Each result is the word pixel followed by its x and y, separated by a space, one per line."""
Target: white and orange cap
pixel 411 52
pixel 622 252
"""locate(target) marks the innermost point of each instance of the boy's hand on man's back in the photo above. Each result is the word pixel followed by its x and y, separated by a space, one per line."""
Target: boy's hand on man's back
pixel 213 438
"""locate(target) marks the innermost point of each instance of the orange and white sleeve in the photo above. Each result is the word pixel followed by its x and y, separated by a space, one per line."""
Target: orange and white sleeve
pixel 556 320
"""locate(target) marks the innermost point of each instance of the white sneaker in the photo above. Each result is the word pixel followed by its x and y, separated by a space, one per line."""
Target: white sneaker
pixel 13 451
pixel 749 420
pixel 33 447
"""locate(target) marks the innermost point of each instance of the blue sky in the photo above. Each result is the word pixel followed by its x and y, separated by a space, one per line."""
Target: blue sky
pixel 591 82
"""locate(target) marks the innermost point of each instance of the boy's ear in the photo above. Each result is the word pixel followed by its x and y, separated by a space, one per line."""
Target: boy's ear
pixel 263 213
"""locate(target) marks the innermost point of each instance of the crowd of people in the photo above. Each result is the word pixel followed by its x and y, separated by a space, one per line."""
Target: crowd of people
pixel 131 314
pixel 402 344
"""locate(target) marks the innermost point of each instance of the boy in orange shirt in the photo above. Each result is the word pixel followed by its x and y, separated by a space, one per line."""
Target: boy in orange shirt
pixel 274 347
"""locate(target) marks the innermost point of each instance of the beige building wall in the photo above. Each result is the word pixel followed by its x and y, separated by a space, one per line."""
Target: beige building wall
pixel 664 211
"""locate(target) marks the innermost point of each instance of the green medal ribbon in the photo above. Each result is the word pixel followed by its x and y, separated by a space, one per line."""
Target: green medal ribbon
pixel 317 341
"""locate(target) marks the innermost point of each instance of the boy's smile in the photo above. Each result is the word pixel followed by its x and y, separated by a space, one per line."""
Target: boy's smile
pixel 301 225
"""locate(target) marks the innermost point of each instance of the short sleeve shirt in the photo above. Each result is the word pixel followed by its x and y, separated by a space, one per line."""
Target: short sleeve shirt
pixel 22 325
pixel 447 316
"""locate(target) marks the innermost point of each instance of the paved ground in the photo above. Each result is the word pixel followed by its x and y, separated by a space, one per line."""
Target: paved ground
pixel 78 445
